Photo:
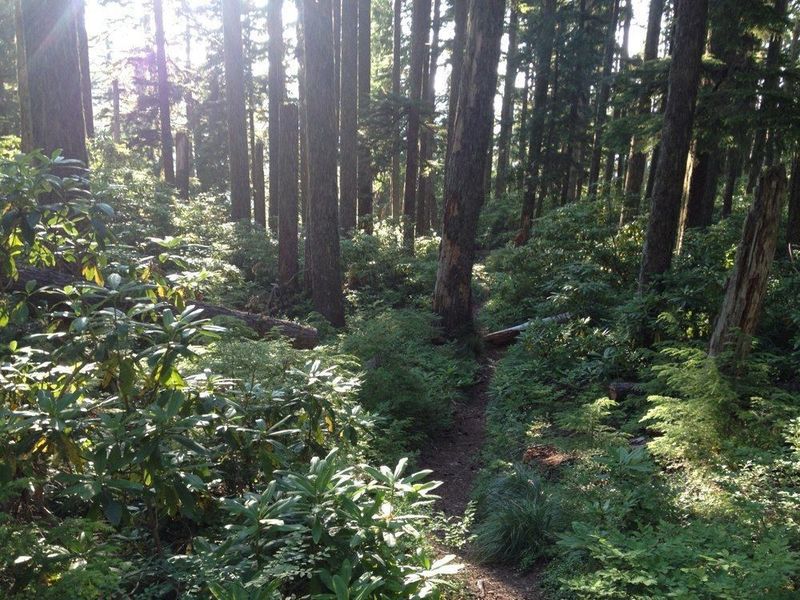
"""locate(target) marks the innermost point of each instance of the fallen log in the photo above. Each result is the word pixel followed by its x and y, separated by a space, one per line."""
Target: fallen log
pixel 506 336
pixel 619 390
pixel 302 336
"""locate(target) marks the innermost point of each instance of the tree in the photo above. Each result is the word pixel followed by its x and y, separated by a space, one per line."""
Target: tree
pixel 167 160
pixel 287 192
pixel 793 220
pixel 684 77
pixel 277 95
pixel 507 109
pixel 397 41
pixel 23 92
pixel 420 26
pixel 83 54
pixel 326 275
pixel 364 90
pixel 464 183
pixel 53 82
pixel 349 116
pixel 183 163
pixel 460 14
pixel 235 103
pixel 259 187
pixel 115 117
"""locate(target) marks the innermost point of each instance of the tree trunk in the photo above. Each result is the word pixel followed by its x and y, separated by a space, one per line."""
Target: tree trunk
pixel 277 95
pixel 259 187
pixel 397 41
pixel 544 53
pixel 464 197
pixel 637 159
pixel 793 222
pixel 734 170
pixel 460 15
pixel 364 91
pixel 602 98
pixel 684 77
pixel 86 78
pixel 744 293
pixel 115 118
pixel 287 192
pixel 23 91
pixel 304 183
pixel 349 114
pixel 421 24
pixel 337 59
pixel 183 163
pixel 323 229
pixel 522 140
pixel 53 78
pixel 703 189
pixel 237 117
pixel 167 160
pixel 507 110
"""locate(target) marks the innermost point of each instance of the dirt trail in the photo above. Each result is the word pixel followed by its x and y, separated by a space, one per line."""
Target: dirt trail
pixel 455 459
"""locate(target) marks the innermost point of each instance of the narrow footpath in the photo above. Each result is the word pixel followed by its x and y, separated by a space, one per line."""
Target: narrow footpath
pixel 455 460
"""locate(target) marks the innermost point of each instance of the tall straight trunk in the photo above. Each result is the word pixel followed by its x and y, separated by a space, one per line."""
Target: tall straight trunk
pixel 300 53
pixel 86 77
pixel 522 139
pixel 287 192
pixel 425 190
pixel 397 41
pixel 323 229
pixel 575 125
pixel 684 77
pixel 460 15
pixel 364 91
pixel 277 95
pixel 464 197
pixel 733 171
pixel 432 212
pixel 237 116
pixel 544 56
pixel 23 92
pixel 744 293
pixel 337 58
pixel 507 109
pixel 115 117
pixel 259 185
pixel 183 163
pixel 53 78
pixel 699 208
pixel 637 159
pixel 602 98
pixel 167 160
pixel 349 118
pixel 768 101
pixel 420 26
pixel 793 221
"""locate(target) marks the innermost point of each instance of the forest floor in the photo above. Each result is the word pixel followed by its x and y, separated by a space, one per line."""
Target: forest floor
pixel 454 458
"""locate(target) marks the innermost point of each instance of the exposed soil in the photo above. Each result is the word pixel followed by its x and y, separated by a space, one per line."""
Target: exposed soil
pixel 455 459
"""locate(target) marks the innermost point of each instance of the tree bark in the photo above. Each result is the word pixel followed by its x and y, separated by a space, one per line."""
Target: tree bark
pixel 460 15
pixel 507 109
pixel 323 229
pixel 167 160
pixel 421 23
pixel 464 192
pixel 744 293
pixel 86 78
pixel 183 163
pixel 349 115
pixel 277 95
pixel 304 183
pixel 259 187
pixel 544 54
pixel 23 91
pixel 684 77
pixel 702 190
pixel 397 41
pixel 115 117
pixel 734 170
pixel 793 222
pixel 287 192
pixel 364 91
pixel 522 140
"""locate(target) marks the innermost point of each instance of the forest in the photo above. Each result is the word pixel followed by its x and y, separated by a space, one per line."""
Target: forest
pixel 399 299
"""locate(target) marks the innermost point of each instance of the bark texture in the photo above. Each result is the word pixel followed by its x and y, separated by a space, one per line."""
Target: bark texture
pixel 397 42
pixel 167 160
pixel 277 95
pixel 460 15
pixel 349 118
pixel 115 117
pixel 364 91
pixel 259 185
pixel 23 91
pixel 183 163
pixel 793 222
pixel 86 77
pixel 507 109
pixel 464 184
pixel 287 192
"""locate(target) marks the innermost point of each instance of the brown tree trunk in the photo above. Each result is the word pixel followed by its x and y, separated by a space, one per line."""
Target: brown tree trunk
pixel 183 163
pixel 460 15
pixel 323 229
pixel 522 141
pixel 793 222
pixel 637 159
pixel 703 189
pixel 733 171
pixel 744 293
pixel 349 115
pixel 364 91
pixel 115 117
pixel 167 160
pixel 86 78
pixel 684 77
pixel 420 26
pixel 287 192
pixel 259 187
pixel 53 78
pixel 23 92
pixel 397 41
pixel 237 117
pixel 464 197
pixel 507 109
pixel 277 95
pixel 602 98
pixel 337 59
pixel 304 183
pixel 544 54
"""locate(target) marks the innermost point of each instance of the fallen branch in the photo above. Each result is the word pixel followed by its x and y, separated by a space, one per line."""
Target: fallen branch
pixel 302 336
pixel 506 336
